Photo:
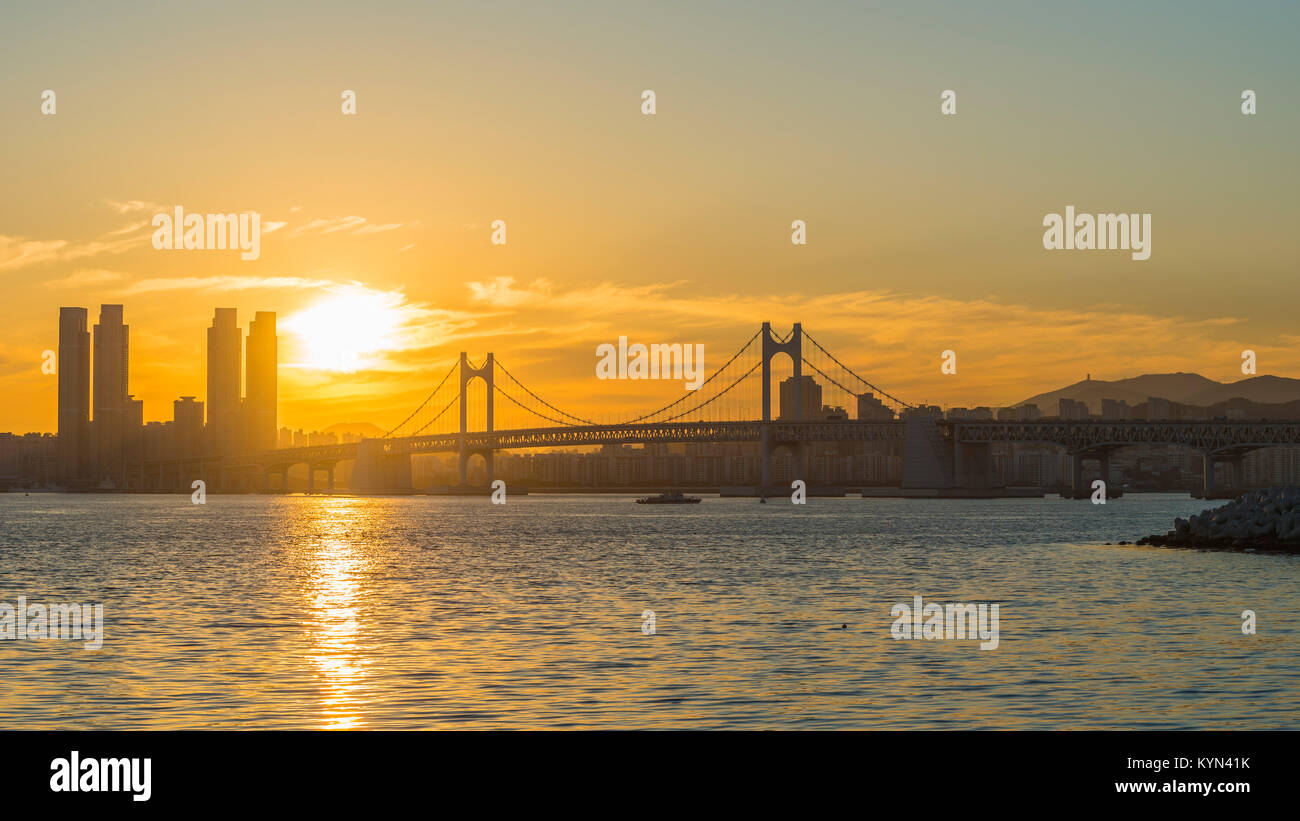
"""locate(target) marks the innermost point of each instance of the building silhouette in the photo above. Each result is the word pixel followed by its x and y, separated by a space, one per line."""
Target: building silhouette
pixel 260 398
pixel 133 437
pixel 1114 409
pixel 870 408
pixel 74 397
pixel 1072 409
pixel 810 398
pixel 187 427
pixel 109 397
pixel 225 343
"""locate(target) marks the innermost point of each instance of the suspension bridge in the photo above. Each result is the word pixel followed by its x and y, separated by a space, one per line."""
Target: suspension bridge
pixel 733 404
pixel 825 401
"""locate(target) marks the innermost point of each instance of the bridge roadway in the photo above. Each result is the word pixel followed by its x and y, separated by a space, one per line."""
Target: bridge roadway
pixel 966 441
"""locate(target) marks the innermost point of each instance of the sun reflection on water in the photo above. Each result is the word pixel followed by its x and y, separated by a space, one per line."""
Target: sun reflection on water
pixel 335 626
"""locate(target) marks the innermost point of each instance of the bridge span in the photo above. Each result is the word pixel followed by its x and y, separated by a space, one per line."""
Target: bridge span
pixel 938 453
pixel 733 405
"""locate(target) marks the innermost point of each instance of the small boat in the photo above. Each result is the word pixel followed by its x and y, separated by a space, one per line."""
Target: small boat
pixel 671 498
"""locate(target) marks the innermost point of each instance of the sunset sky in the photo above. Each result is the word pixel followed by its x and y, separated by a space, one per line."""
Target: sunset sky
pixel 924 231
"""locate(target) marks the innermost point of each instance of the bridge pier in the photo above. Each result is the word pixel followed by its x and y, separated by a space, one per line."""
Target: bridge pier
pixel 1234 482
pixel 765 456
pixel 793 348
pixel 972 465
pixel 463 458
pixel 268 472
pixel 380 470
pixel 928 458
pixel 328 467
pixel 801 460
pixel 1080 490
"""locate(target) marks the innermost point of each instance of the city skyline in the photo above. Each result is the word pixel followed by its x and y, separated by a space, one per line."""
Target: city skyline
pixel 225 377
pixel 105 443
pixel 102 427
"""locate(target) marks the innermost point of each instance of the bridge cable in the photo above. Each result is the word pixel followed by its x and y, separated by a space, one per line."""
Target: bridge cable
pixel 539 399
pixel 503 392
pixel 436 416
pixel 422 404
pixel 702 384
pixel 850 371
pixel 715 398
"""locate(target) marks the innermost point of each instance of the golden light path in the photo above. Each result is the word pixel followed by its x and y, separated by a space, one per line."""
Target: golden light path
pixel 335 629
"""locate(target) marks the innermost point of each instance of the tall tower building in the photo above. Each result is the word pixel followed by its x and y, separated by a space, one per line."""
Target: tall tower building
pixel 108 422
pixel 261 389
pixel 810 398
pixel 74 397
pixel 187 425
pixel 133 441
pixel 225 344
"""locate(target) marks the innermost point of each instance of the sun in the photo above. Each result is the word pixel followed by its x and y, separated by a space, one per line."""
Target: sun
pixel 347 331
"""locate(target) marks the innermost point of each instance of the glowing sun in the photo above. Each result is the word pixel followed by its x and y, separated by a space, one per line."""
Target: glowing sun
pixel 348 331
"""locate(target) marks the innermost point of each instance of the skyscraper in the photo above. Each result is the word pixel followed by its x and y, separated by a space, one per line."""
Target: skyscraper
pixel 810 398
pixel 74 397
pixel 187 426
pixel 261 389
pixel 133 441
pixel 225 344
pixel 870 408
pixel 108 423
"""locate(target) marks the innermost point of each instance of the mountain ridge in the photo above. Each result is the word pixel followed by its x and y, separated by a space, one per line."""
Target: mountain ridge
pixel 1184 388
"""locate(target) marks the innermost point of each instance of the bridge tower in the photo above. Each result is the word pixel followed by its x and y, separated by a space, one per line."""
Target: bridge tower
pixel 467 373
pixel 792 347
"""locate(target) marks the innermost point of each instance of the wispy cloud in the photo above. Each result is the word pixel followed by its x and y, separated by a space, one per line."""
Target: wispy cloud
pixel 352 224
pixel 20 252
pixel 128 229
pixel 1006 350
pixel 86 277
pixel 133 206
pixel 502 292
pixel 225 283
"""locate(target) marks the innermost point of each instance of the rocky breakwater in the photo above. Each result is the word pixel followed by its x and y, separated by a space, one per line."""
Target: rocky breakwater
pixel 1266 519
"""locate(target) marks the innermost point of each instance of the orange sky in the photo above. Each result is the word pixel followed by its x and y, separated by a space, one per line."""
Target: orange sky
pixel 924 231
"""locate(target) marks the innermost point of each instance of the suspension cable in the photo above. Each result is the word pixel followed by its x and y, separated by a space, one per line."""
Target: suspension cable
pixel 422 404
pixel 717 397
pixel 851 372
pixel 702 384
pixel 436 416
pixel 507 372
pixel 503 392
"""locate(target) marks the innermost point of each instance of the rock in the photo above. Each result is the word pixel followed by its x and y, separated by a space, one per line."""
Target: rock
pixel 1267 519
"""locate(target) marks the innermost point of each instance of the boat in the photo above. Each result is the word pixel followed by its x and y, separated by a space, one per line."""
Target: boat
pixel 671 498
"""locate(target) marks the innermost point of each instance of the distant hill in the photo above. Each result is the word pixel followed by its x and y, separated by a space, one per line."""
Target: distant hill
pixel 1185 388
pixel 360 428
pixel 1265 389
